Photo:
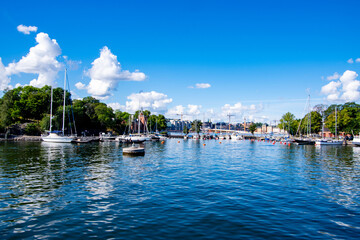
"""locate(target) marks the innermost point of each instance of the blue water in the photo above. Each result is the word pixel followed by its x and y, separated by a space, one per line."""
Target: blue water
pixel 232 190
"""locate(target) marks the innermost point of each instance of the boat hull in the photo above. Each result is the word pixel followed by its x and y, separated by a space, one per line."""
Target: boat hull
pixel 58 139
pixel 330 142
pixel 304 142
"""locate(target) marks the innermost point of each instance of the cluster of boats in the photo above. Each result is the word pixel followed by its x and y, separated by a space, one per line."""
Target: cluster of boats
pixel 233 136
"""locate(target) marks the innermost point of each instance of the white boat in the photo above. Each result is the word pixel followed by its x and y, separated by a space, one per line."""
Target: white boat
pixel 106 137
pixel 56 136
pixel 324 141
pixel 234 136
pixel 356 141
pixel 328 142
pixel 196 137
pixel 135 149
pixel 135 138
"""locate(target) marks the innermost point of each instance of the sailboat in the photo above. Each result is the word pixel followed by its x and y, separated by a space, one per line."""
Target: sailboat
pixel 305 140
pixel 57 136
pixel 324 141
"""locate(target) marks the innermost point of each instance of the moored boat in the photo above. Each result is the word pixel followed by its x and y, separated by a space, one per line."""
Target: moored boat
pixel 135 149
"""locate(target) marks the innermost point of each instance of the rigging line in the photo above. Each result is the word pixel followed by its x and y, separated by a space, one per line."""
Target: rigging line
pixel 72 109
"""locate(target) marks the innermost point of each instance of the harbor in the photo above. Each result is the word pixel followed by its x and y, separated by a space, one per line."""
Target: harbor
pixel 179 189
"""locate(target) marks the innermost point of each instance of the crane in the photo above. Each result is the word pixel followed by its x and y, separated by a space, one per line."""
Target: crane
pixel 230 115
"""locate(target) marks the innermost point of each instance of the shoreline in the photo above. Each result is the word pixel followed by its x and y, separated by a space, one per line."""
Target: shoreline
pixel 23 138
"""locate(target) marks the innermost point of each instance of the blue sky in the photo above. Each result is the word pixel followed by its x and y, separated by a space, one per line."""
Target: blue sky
pixel 258 57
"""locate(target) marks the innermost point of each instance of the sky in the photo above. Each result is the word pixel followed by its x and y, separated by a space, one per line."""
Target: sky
pixel 202 59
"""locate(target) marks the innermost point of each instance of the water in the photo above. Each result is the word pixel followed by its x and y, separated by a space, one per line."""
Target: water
pixel 233 190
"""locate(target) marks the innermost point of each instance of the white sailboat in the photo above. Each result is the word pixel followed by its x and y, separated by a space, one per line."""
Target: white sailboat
pixel 324 141
pixel 57 136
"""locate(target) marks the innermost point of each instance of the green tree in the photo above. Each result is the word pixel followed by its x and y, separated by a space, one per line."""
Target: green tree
pixel 185 130
pixel 121 122
pixel 289 123
pixel 196 126
pixel 161 122
pixel 105 115
pixel 315 119
pixel 152 123
pixel 252 128
pixel 348 115
pixel 32 129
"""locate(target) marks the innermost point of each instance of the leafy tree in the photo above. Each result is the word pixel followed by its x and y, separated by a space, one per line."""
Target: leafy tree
pixel 252 128
pixel 152 123
pixel 185 130
pixel 105 116
pixel 316 123
pixel 121 122
pixel 161 122
pixel 289 123
pixel 32 129
pixel 196 126
pixel 347 119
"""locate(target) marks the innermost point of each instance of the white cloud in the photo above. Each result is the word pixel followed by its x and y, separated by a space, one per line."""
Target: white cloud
pixel 201 85
pixel 357 60
pixel 330 88
pixel 335 76
pixel 349 90
pixel 350 60
pixel 117 106
pixel 4 79
pixel 80 86
pixel 239 108
pixel 41 60
pixel 26 30
pixel 105 74
pixel 153 101
pixel 189 112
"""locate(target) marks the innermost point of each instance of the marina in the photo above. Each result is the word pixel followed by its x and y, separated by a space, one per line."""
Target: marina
pixel 179 189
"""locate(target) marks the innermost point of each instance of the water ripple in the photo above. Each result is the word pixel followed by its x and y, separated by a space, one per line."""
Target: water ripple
pixel 232 190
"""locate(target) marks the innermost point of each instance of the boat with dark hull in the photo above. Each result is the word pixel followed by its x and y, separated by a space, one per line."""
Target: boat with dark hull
pixel 304 141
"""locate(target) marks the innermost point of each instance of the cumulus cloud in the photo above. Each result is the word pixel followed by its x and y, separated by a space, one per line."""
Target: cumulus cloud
pixel 347 89
pixel 201 85
pixel 239 108
pixel 350 61
pixel 105 74
pixel 189 111
pixel 335 76
pixel 330 88
pixel 40 60
pixel 153 101
pixel 4 79
pixel 26 29
pixel 357 60
pixel 117 106
pixel 80 86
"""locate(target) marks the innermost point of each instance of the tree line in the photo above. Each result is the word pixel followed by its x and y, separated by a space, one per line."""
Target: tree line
pixel 31 105
pixel 348 120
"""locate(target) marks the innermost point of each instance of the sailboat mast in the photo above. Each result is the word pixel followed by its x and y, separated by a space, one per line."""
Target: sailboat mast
pixel 51 103
pixel 139 122
pixel 63 123
pixel 335 122
pixel 322 129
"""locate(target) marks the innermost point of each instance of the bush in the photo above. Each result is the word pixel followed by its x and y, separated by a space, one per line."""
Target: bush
pixel 32 129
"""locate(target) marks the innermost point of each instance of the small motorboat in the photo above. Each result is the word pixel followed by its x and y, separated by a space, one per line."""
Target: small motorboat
pixel 135 149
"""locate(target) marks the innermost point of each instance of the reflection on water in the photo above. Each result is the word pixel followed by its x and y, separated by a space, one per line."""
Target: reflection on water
pixel 236 189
